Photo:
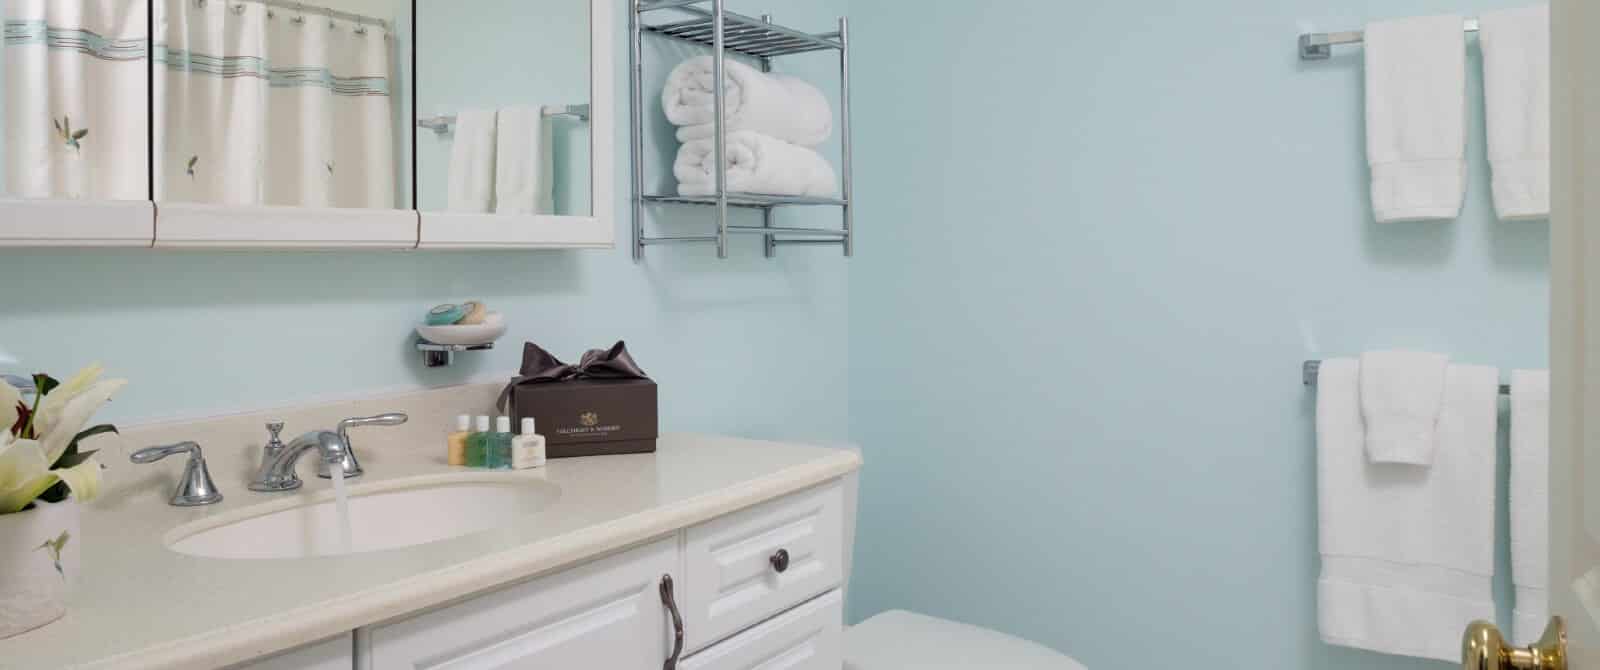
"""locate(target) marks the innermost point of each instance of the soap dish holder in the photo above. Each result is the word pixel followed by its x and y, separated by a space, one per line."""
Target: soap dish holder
pixel 441 355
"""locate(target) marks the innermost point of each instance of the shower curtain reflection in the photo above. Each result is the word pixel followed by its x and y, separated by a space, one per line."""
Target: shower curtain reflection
pixel 75 87
pixel 259 105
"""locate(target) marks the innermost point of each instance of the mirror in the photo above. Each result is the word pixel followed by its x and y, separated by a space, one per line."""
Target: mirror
pixel 504 93
pixel 74 100
pixel 269 102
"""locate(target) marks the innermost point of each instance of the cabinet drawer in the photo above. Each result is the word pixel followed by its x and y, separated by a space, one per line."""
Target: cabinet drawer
pixel 731 579
pixel 602 614
pixel 808 637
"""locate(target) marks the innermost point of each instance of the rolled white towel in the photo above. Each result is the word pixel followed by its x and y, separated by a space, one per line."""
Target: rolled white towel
pixel 776 105
pixel 756 164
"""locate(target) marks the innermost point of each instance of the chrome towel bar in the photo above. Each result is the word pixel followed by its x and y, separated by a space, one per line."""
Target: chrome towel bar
pixel 1319 46
pixel 1309 370
pixel 442 124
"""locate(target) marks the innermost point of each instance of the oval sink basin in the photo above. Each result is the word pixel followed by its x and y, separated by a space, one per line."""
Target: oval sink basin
pixel 390 515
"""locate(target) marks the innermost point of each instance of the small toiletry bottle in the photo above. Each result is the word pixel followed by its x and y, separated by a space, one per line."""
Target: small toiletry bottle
pixel 458 440
pixel 527 450
pixel 477 442
pixel 497 450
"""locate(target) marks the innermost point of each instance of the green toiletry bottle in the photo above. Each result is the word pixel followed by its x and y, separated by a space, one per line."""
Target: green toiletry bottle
pixel 497 450
pixel 478 442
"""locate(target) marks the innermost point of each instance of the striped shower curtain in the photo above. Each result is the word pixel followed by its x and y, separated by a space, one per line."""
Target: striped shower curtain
pixel 75 88
pixel 265 106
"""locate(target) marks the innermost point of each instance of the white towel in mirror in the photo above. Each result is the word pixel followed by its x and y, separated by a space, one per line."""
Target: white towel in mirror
pixel 472 162
pixel 524 163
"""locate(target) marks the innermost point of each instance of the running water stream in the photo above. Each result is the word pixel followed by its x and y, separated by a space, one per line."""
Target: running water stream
pixel 341 502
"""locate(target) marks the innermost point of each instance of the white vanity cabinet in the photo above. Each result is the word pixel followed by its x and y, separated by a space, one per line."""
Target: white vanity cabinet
pixel 605 614
pixel 741 608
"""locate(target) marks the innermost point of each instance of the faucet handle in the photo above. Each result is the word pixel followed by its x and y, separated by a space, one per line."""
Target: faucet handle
pixel 389 419
pixel 273 428
pixel 195 487
pixel 352 467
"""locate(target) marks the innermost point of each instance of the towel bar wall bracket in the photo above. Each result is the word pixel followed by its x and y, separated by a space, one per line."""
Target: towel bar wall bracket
pixel 711 25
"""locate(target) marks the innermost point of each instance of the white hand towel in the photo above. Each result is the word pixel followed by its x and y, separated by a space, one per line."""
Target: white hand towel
pixel 1516 92
pixel 1530 502
pixel 1416 117
pixel 756 164
pixel 1401 392
pixel 524 164
pixel 1407 556
pixel 776 105
pixel 472 162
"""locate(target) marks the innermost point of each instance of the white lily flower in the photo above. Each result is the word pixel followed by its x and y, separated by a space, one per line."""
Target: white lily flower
pixel 25 474
pixel 75 415
pixel 55 402
pixel 9 397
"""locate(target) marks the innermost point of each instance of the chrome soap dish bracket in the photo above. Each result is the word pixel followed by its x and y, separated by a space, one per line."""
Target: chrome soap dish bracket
pixel 441 355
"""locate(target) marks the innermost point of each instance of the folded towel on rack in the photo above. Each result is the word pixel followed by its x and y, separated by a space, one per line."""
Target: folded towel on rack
pixel 775 105
pixel 1530 502
pixel 1407 558
pixel 756 164
pixel 524 175
pixel 1417 117
pixel 1401 394
pixel 472 162
pixel 1516 93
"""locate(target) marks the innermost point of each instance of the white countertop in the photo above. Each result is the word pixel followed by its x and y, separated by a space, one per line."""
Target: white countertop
pixel 141 605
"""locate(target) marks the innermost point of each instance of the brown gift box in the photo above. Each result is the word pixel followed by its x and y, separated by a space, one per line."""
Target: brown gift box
pixel 603 405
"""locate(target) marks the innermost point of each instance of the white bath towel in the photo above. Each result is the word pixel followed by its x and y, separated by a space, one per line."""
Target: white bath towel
pixel 524 174
pixel 1407 556
pixel 756 164
pixel 776 105
pixel 1516 92
pixel 472 162
pixel 1401 392
pixel 1416 117
pixel 1530 502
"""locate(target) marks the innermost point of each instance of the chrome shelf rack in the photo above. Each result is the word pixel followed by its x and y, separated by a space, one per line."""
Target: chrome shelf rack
pixel 710 24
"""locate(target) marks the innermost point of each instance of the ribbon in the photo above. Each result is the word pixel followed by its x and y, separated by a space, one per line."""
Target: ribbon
pixel 541 367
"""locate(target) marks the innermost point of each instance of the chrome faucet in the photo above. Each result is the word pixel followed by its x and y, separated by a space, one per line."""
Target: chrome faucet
pixel 278 460
pixel 277 465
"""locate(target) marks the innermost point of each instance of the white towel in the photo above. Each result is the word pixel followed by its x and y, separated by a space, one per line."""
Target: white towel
pixel 756 164
pixel 776 105
pixel 472 162
pixel 524 163
pixel 1530 502
pixel 1407 553
pixel 1416 117
pixel 1401 392
pixel 1516 93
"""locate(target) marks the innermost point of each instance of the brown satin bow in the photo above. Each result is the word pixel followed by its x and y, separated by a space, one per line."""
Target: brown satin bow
pixel 540 366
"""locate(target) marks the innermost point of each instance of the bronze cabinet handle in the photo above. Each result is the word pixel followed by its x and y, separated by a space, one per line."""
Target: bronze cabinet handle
pixel 677 623
pixel 780 561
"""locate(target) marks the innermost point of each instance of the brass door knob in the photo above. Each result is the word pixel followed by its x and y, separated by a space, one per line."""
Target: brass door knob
pixel 1483 648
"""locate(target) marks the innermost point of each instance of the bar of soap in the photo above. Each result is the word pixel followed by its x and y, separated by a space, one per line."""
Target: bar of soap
pixel 445 315
pixel 475 313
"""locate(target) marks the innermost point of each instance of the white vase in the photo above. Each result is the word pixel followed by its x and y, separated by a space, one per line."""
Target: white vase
pixel 39 551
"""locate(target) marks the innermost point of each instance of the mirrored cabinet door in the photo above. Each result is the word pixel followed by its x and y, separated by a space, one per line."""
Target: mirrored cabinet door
pixel 514 116
pixel 74 107
pixel 503 87
pixel 261 102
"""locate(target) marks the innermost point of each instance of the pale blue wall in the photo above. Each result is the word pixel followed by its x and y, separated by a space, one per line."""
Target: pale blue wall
pixel 746 346
pixel 1096 241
